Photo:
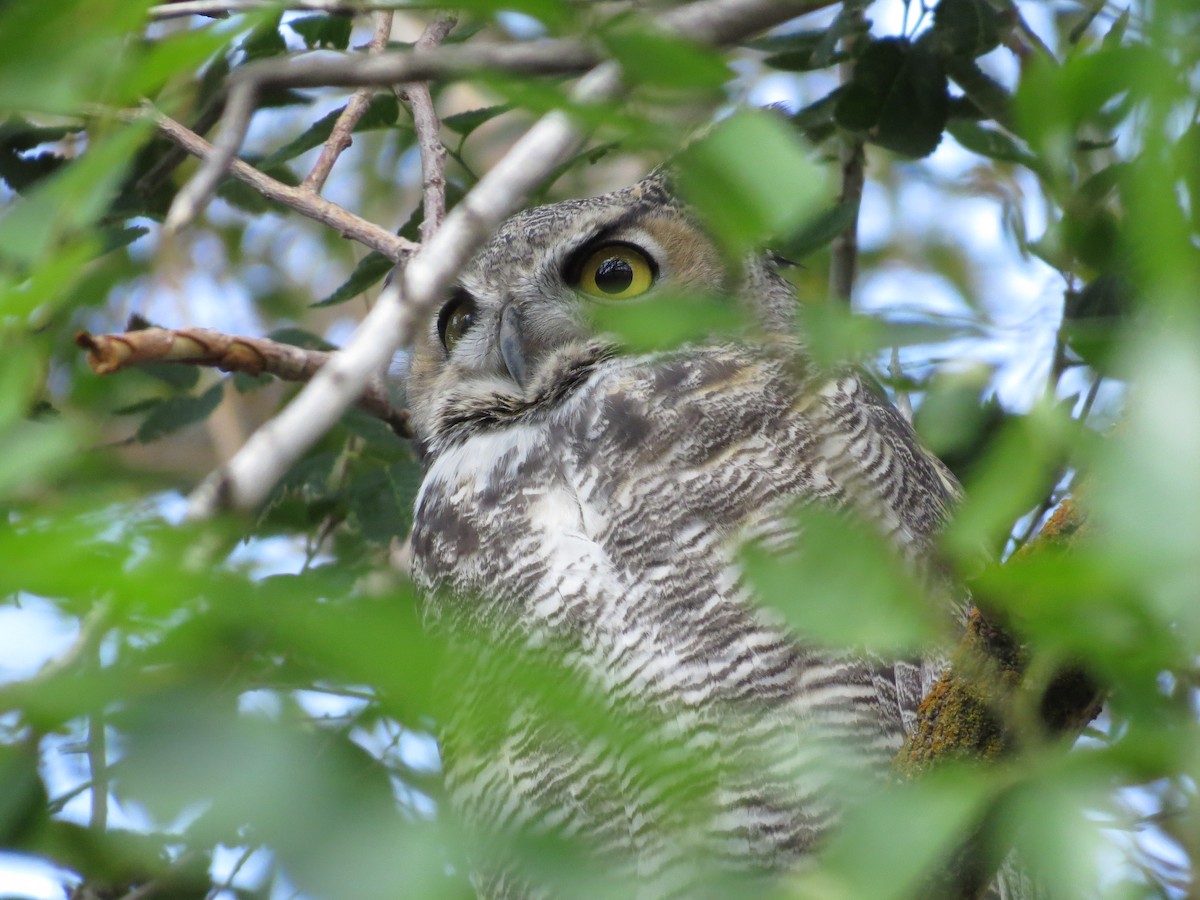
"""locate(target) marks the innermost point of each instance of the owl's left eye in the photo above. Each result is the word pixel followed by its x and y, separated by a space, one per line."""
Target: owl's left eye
pixel 456 319
pixel 616 271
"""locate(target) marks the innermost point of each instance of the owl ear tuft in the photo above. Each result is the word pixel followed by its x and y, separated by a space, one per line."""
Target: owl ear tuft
pixel 657 186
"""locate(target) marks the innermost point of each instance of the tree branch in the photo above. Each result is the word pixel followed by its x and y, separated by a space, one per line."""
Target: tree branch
pixel 176 9
pixel 340 136
pixel 427 126
pixel 717 22
pixel 969 712
pixel 843 263
pixel 109 353
pixel 304 201
pixel 245 480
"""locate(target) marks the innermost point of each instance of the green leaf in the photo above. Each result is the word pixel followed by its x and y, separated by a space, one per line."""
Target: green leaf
pixel 72 199
pixel 667 321
pixel 903 859
pixel 380 502
pixel 819 232
pixel 175 413
pixel 1144 496
pixel 18 167
pixel 371 269
pixel 817 121
pixel 382 112
pixel 23 801
pixel 329 32
pixel 849 24
pixel 874 604
pixel 245 383
pixel 798 41
pixel 990 142
pixel 177 375
pixel 464 123
pixel 33 451
pixel 661 60
pixel 741 203
pixel 897 97
pixel 968 27
pixel 117 237
pixel 42 70
pixel 955 421
pixel 1053 100
pixel 984 92
pixel 264 40
pixel 298 337
pixel 1022 464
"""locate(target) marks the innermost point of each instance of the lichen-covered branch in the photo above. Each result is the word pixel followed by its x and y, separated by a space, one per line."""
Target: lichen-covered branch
pixel 109 353
pixel 969 712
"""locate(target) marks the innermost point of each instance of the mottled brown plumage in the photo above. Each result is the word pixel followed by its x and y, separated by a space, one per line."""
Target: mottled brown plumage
pixel 580 517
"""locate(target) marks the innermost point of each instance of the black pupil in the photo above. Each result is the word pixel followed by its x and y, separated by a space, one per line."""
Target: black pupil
pixel 460 321
pixel 456 320
pixel 614 275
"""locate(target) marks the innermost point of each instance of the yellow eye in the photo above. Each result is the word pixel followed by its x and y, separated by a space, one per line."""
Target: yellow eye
pixel 455 319
pixel 617 272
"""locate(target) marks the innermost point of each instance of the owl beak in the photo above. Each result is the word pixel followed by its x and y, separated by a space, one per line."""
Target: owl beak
pixel 512 344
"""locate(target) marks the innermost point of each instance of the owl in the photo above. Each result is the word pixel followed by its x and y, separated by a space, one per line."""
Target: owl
pixel 620 697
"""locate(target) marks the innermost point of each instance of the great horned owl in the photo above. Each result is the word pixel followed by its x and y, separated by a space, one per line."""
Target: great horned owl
pixel 582 511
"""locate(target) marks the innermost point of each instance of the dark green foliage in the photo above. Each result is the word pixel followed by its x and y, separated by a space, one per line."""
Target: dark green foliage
pixel 465 122
pixel 897 97
pixel 381 112
pixel 178 412
pixel 371 269
pixel 204 672
pixel 330 32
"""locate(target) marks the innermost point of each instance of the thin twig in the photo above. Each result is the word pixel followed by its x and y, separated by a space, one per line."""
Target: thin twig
pixel 1090 399
pixel 843 263
pixel 304 202
pixel 227 884
pixel 410 299
pixel 427 126
pixel 108 353
pixel 340 136
pixel 706 22
pixel 382 70
pixel 97 754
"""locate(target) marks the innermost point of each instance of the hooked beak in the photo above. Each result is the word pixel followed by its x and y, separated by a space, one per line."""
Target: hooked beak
pixel 512 344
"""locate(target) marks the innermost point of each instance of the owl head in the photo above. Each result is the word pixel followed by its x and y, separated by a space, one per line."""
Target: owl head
pixel 516 326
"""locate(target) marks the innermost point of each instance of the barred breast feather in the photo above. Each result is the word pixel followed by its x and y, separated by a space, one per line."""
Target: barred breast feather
pixel 586 528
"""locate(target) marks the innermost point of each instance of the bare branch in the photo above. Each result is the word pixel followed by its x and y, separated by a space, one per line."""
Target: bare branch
pixel 717 22
pixel 97 754
pixel 215 8
pixel 425 121
pixel 108 353
pixel 340 136
pixel 304 202
pixel 387 69
pixel 245 480
pixel 843 263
